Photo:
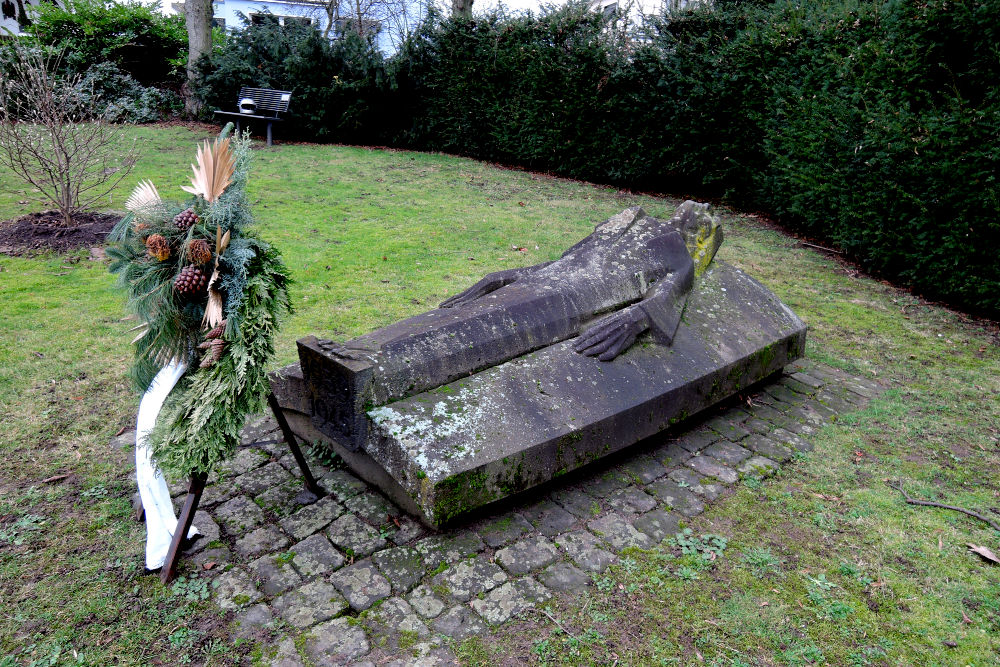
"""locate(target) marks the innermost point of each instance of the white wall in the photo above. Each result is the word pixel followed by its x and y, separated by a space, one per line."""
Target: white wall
pixel 9 11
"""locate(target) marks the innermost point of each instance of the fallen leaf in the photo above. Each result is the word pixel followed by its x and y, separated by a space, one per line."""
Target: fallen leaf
pixel 39 355
pixel 121 430
pixel 985 553
pixel 209 565
pixel 54 478
pixel 949 643
pixel 765 603
pixel 965 618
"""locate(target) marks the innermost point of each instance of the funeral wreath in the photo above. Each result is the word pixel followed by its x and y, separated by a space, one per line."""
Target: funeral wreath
pixel 207 292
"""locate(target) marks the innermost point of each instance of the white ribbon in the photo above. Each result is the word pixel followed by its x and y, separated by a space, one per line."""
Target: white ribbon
pixel 160 519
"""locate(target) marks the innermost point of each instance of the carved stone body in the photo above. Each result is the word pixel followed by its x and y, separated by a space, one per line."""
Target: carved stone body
pixel 634 266
pixel 532 373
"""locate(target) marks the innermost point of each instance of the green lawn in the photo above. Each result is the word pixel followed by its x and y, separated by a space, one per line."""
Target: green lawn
pixel 823 563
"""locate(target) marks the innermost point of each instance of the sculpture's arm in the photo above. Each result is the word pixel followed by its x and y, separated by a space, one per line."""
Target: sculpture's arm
pixel 491 283
pixel 659 311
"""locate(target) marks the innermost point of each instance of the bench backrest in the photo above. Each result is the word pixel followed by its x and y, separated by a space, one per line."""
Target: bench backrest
pixel 267 100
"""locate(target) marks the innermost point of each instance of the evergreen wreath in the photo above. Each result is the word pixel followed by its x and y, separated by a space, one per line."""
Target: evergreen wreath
pixel 202 285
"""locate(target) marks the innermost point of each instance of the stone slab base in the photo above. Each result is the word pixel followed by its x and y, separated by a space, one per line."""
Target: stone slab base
pixel 446 452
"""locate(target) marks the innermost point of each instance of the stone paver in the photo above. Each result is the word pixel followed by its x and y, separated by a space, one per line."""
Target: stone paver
pixel 311 603
pixel 402 566
pixel 243 461
pixel 604 484
pixel 528 555
pixel 645 469
pixel 502 530
pixel 759 465
pixel 671 454
pixel 586 550
pixel 549 518
pixel 238 515
pixel 728 452
pixel 394 619
pixel 346 577
pixel 447 549
pixel 563 577
pixel 785 437
pixel 769 448
pixel 342 485
pixel 614 529
pixel 372 507
pixel 284 499
pixel 729 430
pixel 658 524
pixel 260 541
pixel 354 537
pixel 261 479
pixel 459 623
pixel 684 500
pixel 275 574
pixel 425 602
pixel 695 441
pixel 252 619
pixel 462 581
pixel 336 642
pixel 209 530
pixel 577 503
pixel 511 598
pixel 287 655
pixel 712 467
pixel 312 518
pixel 361 584
pixel 236 589
pixel 631 499
pixel 315 556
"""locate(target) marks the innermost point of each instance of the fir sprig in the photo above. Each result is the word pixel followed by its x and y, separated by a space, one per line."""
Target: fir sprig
pixel 200 423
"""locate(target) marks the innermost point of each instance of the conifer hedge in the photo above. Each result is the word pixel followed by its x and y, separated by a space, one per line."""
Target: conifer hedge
pixel 871 125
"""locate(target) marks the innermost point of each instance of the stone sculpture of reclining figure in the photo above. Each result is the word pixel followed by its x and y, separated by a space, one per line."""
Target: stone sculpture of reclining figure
pixel 634 269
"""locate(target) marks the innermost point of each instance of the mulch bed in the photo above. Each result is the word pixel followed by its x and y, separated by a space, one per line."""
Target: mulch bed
pixel 39 232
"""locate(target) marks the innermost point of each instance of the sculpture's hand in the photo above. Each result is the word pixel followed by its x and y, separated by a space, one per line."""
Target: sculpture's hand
pixel 613 334
pixel 491 283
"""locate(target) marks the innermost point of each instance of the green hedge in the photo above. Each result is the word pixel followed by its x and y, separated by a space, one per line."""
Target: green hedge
pixel 871 125
pixel 139 40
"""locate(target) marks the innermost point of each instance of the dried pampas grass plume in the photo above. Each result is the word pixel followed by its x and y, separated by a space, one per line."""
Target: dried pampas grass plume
pixel 144 196
pixel 214 170
pixel 213 310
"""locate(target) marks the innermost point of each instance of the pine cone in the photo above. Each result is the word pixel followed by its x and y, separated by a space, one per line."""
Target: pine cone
pixel 157 247
pixel 215 349
pixel 217 331
pixel 199 252
pixel 185 219
pixel 191 282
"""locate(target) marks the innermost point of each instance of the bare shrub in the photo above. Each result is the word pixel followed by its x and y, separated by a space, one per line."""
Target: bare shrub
pixel 53 139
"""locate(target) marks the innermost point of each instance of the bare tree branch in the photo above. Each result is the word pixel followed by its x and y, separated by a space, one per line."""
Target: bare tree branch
pixel 52 138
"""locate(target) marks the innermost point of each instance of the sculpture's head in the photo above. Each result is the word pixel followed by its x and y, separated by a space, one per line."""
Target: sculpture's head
pixel 701 231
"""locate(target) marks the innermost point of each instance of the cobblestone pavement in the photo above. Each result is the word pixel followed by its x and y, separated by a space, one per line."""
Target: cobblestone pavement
pixel 350 579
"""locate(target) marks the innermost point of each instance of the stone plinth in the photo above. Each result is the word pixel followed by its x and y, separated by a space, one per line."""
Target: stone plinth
pixel 447 451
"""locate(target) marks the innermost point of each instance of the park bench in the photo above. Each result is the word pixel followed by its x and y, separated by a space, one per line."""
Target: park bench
pixel 268 104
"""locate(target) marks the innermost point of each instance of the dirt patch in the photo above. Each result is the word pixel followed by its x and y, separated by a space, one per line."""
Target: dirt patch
pixel 38 232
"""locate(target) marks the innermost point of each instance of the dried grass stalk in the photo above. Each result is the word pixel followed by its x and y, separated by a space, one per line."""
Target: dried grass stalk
pixel 213 171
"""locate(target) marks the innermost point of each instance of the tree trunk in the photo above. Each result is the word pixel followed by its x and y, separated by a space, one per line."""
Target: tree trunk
pixel 461 8
pixel 198 19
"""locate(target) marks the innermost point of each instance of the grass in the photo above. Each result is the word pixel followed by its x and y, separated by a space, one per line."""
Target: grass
pixel 824 564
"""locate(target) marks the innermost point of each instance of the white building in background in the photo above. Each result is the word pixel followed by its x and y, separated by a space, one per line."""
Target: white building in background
pixel 227 15
pixel 15 13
